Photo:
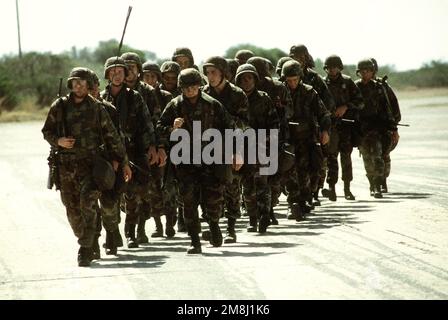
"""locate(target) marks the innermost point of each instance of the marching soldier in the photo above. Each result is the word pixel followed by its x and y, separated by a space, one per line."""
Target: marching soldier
pixel 348 102
pixel 77 125
pixel 376 119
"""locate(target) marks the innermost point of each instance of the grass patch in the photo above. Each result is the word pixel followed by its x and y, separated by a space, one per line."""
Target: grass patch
pixel 27 110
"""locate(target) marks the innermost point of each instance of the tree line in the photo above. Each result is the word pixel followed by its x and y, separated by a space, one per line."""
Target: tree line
pixel 37 74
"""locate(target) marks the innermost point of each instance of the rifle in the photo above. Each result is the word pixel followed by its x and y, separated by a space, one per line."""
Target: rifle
pixel 53 172
pixel 119 47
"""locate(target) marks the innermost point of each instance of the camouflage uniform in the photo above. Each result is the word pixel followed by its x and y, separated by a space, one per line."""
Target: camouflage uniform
pixel 88 123
pixel 308 112
pixel 135 125
pixel 345 92
pixel 282 100
pixel 313 79
pixel 375 120
pixel 197 180
pixel 235 102
pixel 262 114
pixel 387 143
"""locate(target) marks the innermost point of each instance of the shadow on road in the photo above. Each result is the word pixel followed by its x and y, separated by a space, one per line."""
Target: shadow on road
pixel 130 261
pixel 404 195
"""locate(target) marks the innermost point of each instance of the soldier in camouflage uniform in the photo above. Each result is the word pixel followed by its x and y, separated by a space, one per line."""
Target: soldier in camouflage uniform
pixel 170 71
pixel 376 119
pixel 348 101
pixel 108 211
pixel 235 102
pixel 134 123
pixel 153 76
pixel 196 180
pixel 262 114
pixel 151 200
pixel 300 53
pixel 390 138
pixel 308 113
pixel 77 125
pixel 281 98
pixel 241 56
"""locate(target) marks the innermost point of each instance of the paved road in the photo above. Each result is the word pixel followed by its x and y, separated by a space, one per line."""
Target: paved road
pixel 392 248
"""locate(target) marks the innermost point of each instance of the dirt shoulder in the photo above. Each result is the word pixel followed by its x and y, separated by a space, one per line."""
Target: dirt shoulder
pixel 30 112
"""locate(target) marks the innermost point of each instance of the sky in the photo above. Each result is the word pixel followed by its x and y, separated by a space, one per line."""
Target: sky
pixel 405 34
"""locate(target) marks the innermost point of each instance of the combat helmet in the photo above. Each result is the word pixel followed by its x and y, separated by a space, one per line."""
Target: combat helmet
pixel 246 68
pixel 291 68
pixel 150 66
pixel 365 64
pixel 132 57
pixel 263 66
pixel 332 62
pixel 114 62
pixel 243 55
pixel 183 51
pixel 170 66
pixel 80 73
pixel 280 63
pixel 218 62
pixel 189 77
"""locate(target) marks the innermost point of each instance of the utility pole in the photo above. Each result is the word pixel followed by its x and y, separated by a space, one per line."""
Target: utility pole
pixel 18 28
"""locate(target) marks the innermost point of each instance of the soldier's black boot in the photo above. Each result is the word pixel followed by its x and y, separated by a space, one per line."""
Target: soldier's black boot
pixel 252 227
pixel 158 233
pixel 274 220
pixel 195 247
pixel 264 223
pixel 169 226
pixel 377 188
pixel 296 212
pixel 96 252
pixel 332 192
pixel 129 231
pixel 84 256
pixel 325 193
pixel 384 186
pixel 111 245
pixel 215 234
pixel 180 222
pixel 371 186
pixel 231 234
pixel 141 234
pixel 347 193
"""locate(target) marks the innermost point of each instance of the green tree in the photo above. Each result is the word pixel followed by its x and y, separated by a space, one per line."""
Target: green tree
pixel 272 54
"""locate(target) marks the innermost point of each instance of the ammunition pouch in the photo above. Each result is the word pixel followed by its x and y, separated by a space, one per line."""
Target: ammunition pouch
pixel 103 172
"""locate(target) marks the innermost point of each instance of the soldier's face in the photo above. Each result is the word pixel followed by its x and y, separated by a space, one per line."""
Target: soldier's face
pixel 116 76
pixel 79 88
pixel 150 78
pixel 191 92
pixel 183 61
pixel 366 74
pixel 333 71
pixel 169 80
pixel 293 82
pixel 133 73
pixel 214 76
pixel 247 82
